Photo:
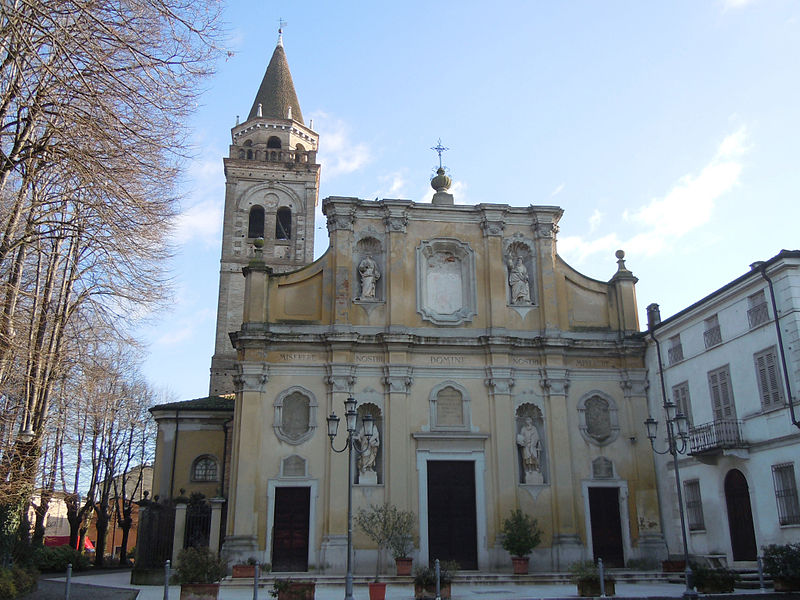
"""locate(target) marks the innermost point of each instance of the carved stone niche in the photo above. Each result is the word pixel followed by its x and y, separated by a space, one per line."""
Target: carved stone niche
pixel 531 447
pixel 518 255
pixel 369 271
pixel 446 289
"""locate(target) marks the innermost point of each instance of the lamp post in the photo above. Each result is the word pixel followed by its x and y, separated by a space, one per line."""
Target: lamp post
pixel 368 424
pixel 677 443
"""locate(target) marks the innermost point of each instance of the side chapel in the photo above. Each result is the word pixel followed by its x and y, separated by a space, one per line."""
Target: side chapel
pixel 498 377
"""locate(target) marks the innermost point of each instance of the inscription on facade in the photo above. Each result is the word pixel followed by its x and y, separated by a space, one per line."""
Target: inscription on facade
pixel 595 363
pixel 447 360
pixel 449 408
pixel 526 361
pixel 296 356
pixel 368 358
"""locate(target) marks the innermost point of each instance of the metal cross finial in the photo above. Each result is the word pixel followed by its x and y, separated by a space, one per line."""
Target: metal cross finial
pixel 439 149
pixel 281 25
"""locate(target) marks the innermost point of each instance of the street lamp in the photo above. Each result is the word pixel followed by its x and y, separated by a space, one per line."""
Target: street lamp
pixel 368 424
pixel 677 443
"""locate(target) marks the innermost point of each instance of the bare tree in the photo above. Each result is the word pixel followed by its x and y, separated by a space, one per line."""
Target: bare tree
pixel 94 100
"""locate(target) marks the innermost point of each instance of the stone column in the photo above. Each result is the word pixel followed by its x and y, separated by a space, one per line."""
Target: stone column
pixel 333 551
pixel 567 546
pixel 645 525
pixel 503 461
pixel 216 523
pixel 398 477
pixel 179 532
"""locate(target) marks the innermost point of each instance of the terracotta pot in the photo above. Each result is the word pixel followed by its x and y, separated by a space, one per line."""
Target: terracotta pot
pixel 244 571
pixel 592 588
pixel 423 593
pixel 789 584
pixel 377 591
pixel 403 566
pixel 520 564
pixel 199 591
pixel 298 590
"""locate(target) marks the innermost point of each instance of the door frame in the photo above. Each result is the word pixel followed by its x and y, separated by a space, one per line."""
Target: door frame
pixel 479 460
pixel 624 515
pixel 272 484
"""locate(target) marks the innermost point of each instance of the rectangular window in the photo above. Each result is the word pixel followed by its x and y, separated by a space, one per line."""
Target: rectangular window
pixel 757 312
pixel 675 350
pixel 680 395
pixel 694 505
pixel 712 334
pixel 719 382
pixel 769 384
pixel 786 494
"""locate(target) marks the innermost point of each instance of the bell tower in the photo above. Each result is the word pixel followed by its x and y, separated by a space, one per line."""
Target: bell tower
pixel 271 191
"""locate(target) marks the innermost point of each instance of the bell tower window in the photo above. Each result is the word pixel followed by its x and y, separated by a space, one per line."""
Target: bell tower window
pixel 255 225
pixel 274 142
pixel 283 224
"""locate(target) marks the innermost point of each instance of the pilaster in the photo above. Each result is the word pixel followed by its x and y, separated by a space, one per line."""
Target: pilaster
pixel 398 478
pixel 504 486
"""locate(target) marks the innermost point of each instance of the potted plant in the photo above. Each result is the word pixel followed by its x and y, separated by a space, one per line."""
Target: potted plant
pixel 782 564
pixel 199 571
pixel 289 589
pixel 521 535
pixel 586 576
pixel 711 580
pixel 383 524
pixel 425 580
pixel 401 546
pixel 247 569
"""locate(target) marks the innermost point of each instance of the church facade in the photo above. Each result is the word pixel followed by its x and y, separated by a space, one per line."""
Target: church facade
pixel 497 376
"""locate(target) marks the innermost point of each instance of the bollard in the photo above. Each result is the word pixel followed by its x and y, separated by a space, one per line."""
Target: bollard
pixel 437 571
pixel 166 580
pixel 761 585
pixel 602 578
pixel 69 581
pixel 256 573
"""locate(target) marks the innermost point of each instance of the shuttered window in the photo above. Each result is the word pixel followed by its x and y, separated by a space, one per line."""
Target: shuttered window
pixel 719 382
pixel 767 374
pixel 680 395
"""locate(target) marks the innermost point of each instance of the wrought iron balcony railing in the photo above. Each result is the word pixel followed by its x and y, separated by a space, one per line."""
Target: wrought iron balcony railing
pixel 675 354
pixel 717 435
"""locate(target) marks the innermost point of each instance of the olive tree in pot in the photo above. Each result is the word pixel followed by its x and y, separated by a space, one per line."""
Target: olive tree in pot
pixel 521 534
pixel 199 571
pixel 383 524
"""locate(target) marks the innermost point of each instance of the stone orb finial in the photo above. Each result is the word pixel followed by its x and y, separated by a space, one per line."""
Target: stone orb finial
pixel 258 243
pixel 441 182
pixel 620 254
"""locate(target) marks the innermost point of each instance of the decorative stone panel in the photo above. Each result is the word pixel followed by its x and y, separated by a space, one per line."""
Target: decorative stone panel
pixel 446 289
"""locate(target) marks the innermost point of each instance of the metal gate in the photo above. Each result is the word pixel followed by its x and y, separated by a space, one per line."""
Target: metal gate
pixel 198 522
pixel 155 532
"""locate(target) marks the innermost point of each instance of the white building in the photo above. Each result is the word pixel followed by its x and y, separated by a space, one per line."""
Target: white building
pixel 732 369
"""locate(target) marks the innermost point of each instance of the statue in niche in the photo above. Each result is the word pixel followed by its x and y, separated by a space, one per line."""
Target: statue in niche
pixel 370 273
pixel 531 447
pixel 368 457
pixel 518 282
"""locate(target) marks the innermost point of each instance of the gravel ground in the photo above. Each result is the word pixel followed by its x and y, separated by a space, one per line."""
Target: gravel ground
pixel 54 590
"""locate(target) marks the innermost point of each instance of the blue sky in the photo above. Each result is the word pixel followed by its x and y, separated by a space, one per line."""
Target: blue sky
pixel 668 129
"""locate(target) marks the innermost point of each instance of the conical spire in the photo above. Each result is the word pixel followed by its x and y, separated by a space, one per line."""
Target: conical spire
pixel 276 96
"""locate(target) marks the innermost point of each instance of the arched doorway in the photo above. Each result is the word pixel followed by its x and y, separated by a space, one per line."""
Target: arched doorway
pixel 740 516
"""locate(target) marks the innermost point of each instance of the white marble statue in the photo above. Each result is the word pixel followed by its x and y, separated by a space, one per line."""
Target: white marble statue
pixel 370 273
pixel 531 446
pixel 368 457
pixel 518 282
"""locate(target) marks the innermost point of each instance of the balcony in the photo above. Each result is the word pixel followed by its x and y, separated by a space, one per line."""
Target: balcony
pixel 758 315
pixel 675 354
pixel 712 336
pixel 716 438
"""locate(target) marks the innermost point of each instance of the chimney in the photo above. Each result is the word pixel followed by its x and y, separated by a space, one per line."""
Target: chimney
pixel 653 316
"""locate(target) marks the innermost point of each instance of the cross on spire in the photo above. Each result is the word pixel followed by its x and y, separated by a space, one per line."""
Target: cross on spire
pixel 281 25
pixel 439 149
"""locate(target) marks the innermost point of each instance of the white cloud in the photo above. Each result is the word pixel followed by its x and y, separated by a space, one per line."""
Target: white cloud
pixel 557 191
pixel 200 222
pixel 392 185
pixel 339 154
pixel 595 220
pixel 185 329
pixel 734 4
pixel 687 206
